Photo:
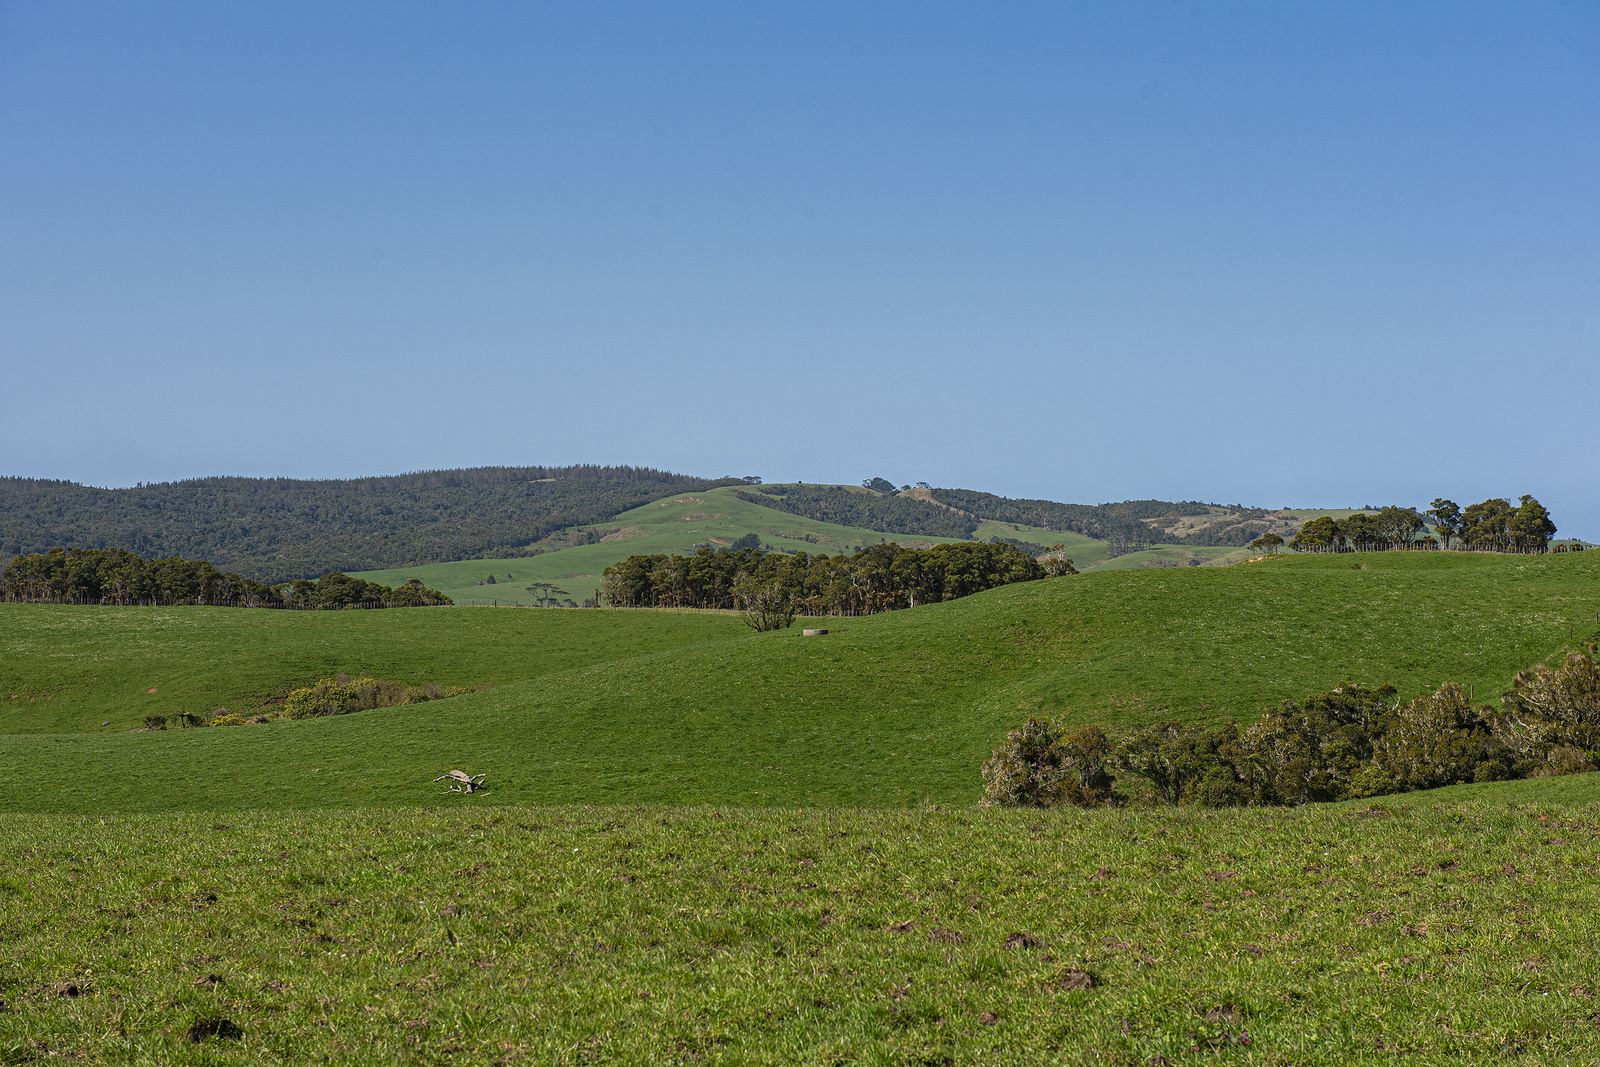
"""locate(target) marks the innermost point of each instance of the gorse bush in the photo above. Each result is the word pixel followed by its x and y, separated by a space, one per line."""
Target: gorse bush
pixel 343 695
pixel 335 697
pixel 1437 739
pixel 1042 766
pixel 1555 707
pixel 1351 742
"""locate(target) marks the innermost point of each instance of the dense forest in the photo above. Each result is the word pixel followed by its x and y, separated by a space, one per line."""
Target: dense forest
pixel 116 576
pixel 957 513
pixel 866 509
pixel 276 529
pixel 881 578
pixel 1128 526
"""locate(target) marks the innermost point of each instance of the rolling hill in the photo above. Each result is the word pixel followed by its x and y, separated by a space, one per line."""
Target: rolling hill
pixel 889 709
pixel 574 559
pixel 704 844
pixel 677 524
pixel 514 519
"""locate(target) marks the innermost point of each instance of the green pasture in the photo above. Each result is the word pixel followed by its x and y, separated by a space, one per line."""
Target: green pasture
pixel 1429 929
pixel 70 669
pixel 889 710
pixel 675 525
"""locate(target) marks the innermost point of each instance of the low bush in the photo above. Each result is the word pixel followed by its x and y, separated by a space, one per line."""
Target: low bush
pixel 343 695
pixel 1351 742
pixel 1043 766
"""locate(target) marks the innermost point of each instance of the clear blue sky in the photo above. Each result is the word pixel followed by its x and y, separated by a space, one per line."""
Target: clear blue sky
pixel 1277 253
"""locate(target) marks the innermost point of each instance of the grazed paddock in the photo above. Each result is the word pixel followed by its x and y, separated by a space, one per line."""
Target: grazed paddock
pixel 1440 928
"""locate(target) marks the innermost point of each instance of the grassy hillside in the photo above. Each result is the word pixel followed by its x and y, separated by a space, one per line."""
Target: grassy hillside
pixel 69 669
pixel 673 525
pixel 890 710
pixel 1435 929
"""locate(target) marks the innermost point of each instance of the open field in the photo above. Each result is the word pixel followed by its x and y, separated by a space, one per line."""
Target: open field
pixel 889 710
pixel 73 668
pixel 674 525
pixel 826 890
pixel 1444 928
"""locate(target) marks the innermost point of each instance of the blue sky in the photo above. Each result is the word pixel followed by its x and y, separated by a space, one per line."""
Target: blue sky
pixel 1264 253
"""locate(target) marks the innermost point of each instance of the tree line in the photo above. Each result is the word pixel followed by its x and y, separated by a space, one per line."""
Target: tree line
pixel 117 576
pixel 773 587
pixel 1495 525
pixel 276 529
pixel 1350 742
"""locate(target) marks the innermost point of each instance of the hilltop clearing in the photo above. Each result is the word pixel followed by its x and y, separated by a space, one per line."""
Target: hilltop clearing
pixel 889 709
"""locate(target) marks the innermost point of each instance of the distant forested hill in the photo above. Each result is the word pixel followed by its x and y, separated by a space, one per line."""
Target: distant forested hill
pixel 1129 523
pixel 276 529
pixel 957 513
pixel 865 508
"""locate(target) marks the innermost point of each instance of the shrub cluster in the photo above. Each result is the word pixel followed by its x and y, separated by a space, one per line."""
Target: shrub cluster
pixel 1350 742
pixel 881 578
pixel 343 695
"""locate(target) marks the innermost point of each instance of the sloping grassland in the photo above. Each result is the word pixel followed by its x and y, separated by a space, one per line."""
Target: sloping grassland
pixel 888 710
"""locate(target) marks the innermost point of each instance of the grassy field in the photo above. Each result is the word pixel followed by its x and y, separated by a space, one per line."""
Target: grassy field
pixel 891 710
pixel 705 845
pixel 1445 928
pixel 72 669
pixel 676 525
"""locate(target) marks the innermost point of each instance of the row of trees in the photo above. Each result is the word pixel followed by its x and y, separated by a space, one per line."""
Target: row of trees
pixel 1350 742
pixel 773 587
pixel 116 576
pixel 1492 526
